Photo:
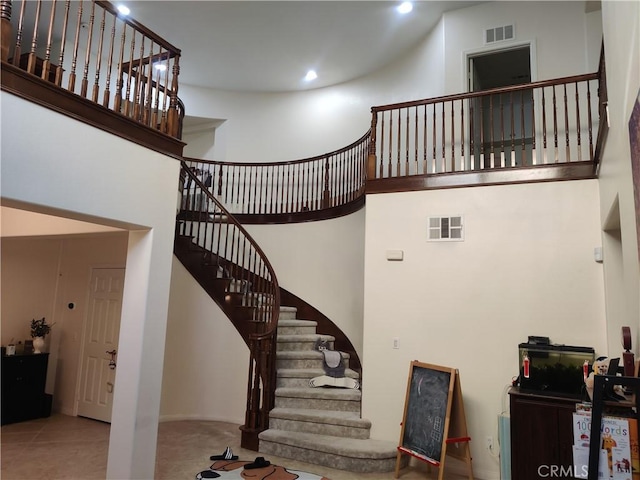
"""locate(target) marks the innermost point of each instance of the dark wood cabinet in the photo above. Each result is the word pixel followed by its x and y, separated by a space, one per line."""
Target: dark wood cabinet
pixel 23 382
pixel 541 435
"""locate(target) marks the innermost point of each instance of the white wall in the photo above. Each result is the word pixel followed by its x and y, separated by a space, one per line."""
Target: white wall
pixel 206 360
pixel 622 49
pixel 525 267
pixel 80 172
pixel 322 263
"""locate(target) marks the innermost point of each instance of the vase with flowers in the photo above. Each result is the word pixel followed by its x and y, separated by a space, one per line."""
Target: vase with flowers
pixel 39 329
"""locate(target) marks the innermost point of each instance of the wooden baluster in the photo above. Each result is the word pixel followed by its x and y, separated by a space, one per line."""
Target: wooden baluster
pixel 117 103
pixel 138 92
pixel 513 132
pixel 566 125
pixel 491 149
pixel 289 189
pixel 472 136
pixel 399 145
pixel 164 122
pixel 46 63
pixel 173 112
pixel 523 129
pixel 533 130
pixel 444 160
pixel 406 146
pixel 76 43
pixel 127 95
pixel 17 51
pixel 96 84
pixel 390 164
pixel 425 165
pixel 589 120
pixel 578 124
pixel 261 187
pixel 502 157
pixel 415 141
pixel 453 138
pixel 106 98
pixel 5 28
pixel 433 165
pixel 31 63
pixel 155 107
pixel 283 198
pixel 544 128
pixel 149 88
pixel 462 157
pixel 381 147
pixel 481 159
pixel 84 84
pixel 555 125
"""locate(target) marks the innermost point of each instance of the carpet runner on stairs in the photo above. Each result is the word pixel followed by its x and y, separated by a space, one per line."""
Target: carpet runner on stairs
pixel 321 425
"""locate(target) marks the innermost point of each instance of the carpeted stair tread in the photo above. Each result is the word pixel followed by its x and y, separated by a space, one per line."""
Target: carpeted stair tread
pixel 310 373
pixel 345 447
pixel 333 417
pixel 312 337
pixel 295 322
pixel 295 354
pixel 320 393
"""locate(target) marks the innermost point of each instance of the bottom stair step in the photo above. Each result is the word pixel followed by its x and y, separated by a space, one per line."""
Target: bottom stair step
pixel 363 456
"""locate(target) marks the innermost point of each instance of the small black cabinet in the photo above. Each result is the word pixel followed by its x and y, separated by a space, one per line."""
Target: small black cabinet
pixel 23 382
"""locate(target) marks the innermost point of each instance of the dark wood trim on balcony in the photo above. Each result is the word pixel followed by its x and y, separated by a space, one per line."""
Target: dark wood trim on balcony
pixel 540 173
pixel 300 217
pixel 44 93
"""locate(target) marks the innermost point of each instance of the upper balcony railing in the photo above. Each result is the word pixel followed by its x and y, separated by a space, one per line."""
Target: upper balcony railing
pixel 545 123
pixel 91 50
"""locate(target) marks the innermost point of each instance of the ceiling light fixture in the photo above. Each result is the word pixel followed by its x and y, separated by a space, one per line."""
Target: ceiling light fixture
pixel 123 10
pixel 405 7
pixel 311 75
pixel 160 67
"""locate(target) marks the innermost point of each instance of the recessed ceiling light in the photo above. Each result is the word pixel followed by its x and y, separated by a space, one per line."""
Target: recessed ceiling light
pixel 123 10
pixel 311 75
pixel 405 7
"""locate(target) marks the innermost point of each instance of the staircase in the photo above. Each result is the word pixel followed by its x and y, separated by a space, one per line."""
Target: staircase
pixel 320 425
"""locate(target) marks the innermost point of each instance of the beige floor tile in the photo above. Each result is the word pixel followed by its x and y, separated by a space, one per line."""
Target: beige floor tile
pixel 72 448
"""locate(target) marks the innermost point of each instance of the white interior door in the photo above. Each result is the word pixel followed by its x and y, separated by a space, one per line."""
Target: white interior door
pixel 100 344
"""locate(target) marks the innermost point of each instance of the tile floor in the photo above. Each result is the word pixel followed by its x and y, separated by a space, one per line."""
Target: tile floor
pixel 64 447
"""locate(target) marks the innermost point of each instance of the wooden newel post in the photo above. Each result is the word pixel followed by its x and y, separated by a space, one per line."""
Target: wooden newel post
pixel 371 158
pixel 5 16
pixel 173 99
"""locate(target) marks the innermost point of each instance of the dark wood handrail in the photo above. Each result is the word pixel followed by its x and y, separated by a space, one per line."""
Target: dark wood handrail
pixel 244 270
pixel 529 125
pixel 313 184
pixel 117 69
pixel 491 91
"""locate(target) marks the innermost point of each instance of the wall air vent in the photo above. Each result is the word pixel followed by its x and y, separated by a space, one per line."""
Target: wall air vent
pixel 445 229
pixel 499 34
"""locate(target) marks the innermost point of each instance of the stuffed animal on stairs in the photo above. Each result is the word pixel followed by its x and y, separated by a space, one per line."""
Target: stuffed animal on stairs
pixel 334 369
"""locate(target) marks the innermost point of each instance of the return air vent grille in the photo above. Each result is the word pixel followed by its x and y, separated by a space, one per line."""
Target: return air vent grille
pixel 445 229
pixel 499 34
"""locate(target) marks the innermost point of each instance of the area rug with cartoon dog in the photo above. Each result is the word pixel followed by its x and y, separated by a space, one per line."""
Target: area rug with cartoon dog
pixel 259 469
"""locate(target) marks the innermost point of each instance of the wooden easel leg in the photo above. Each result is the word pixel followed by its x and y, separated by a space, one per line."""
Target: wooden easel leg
pixel 468 461
pixel 398 459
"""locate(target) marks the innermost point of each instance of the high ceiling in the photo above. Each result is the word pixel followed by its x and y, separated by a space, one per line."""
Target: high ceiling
pixel 270 45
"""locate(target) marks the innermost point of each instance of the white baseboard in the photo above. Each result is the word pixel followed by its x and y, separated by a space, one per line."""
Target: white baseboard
pixel 204 418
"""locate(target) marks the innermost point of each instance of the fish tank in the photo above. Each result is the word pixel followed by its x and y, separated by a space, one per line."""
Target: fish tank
pixel 556 369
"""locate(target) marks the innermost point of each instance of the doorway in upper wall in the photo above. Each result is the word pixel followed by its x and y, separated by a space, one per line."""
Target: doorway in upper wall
pixel 500 125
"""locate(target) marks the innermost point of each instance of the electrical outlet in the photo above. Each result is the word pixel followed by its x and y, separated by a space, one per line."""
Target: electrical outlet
pixel 489 443
pixel 396 342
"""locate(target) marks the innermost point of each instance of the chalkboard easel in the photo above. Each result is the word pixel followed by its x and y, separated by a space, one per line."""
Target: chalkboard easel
pixel 434 418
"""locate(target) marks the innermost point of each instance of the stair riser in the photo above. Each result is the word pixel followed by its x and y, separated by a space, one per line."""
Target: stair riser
pixel 298 330
pixel 359 465
pixel 298 346
pixel 286 315
pixel 319 428
pixel 301 363
pixel 318 404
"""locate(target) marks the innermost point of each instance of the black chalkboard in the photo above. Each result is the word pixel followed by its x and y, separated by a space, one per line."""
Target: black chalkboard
pixel 427 409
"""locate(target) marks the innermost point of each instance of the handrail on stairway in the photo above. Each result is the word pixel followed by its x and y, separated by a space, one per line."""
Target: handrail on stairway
pixel 248 290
